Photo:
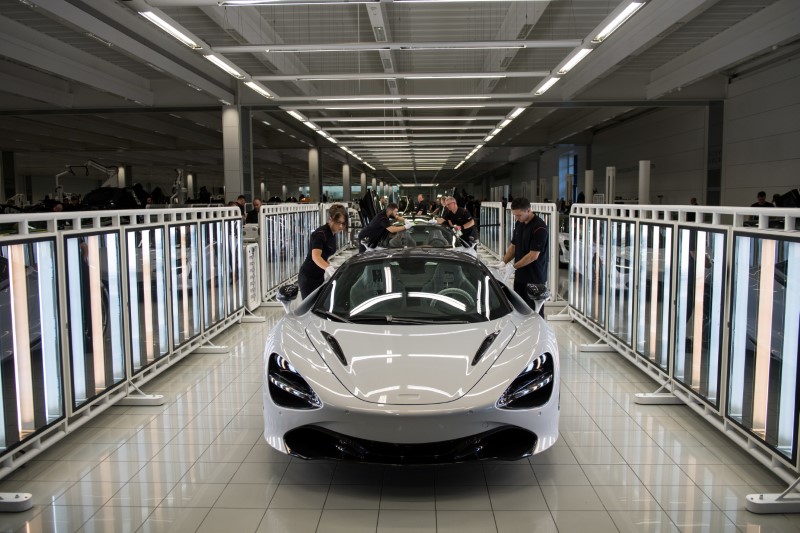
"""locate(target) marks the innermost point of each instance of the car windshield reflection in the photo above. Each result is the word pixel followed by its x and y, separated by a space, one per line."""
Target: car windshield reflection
pixel 412 291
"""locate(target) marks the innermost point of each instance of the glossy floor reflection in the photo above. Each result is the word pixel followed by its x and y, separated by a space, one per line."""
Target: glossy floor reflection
pixel 199 463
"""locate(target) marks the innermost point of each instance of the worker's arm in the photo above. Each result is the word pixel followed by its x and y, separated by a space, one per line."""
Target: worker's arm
pixel 316 256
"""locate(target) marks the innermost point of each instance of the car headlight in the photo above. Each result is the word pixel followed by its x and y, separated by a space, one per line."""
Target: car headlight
pixel 287 388
pixel 533 387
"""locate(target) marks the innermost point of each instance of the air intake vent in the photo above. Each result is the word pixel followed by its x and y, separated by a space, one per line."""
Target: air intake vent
pixel 380 34
pixel 334 344
pixel 392 84
pixel 483 347
pixel 387 63
pixel 504 63
pixel 524 31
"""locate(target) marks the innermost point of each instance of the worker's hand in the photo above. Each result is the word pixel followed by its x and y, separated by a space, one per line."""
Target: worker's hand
pixel 408 225
pixel 509 270
pixel 500 266
pixel 329 272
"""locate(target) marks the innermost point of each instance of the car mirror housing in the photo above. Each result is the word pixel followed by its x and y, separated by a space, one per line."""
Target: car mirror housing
pixel 287 294
pixel 538 291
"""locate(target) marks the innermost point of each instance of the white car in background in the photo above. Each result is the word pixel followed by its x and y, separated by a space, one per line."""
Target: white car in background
pixel 411 356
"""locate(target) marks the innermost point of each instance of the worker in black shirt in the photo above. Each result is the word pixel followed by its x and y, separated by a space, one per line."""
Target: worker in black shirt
pixel 527 256
pixel 380 224
pixel 252 216
pixel 459 219
pixel 316 268
pixel 422 205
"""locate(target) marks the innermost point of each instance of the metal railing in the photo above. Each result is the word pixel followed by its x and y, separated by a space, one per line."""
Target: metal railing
pixel 700 300
pixel 93 304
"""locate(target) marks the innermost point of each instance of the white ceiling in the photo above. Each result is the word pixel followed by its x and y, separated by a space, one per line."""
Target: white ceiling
pixel 92 79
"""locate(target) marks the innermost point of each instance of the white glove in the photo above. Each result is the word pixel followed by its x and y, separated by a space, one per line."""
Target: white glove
pixel 408 225
pixel 329 272
pixel 500 266
pixel 509 271
pixel 432 221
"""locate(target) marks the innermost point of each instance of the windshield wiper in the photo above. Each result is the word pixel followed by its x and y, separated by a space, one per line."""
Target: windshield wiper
pixel 332 316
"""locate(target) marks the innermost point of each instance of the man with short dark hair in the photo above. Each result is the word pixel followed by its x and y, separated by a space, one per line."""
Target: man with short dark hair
pixel 241 201
pixel 380 225
pixel 459 219
pixel 422 205
pixel 762 200
pixel 527 256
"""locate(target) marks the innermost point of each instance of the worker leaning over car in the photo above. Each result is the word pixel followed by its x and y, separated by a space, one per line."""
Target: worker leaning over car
pixel 316 268
pixel 459 219
pixel 377 228
pixel 527 255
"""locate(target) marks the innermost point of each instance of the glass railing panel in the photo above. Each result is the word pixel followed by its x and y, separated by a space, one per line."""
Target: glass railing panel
pixel 31 374
pixel 699 311
pixel 94 307
pixel 147 296
pixel 234 265
pixel 763 358
pixel 577 239
pixel 596 261
pixel 620 280
pixel 653 298
pixel 185 283
pixel 212 259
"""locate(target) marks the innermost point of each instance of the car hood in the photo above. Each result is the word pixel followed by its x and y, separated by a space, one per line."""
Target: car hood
pixel 409 365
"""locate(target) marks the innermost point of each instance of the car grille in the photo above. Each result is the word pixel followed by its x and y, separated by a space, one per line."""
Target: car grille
pixel 506 443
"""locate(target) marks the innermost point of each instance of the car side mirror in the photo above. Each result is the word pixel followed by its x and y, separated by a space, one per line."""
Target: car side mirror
pixel 538 292
pixel 287 294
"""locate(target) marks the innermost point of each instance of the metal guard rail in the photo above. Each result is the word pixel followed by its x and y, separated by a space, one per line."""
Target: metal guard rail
pixel 699 299
pixel 95 304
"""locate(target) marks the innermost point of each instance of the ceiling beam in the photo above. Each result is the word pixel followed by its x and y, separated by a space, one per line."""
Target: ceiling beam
pixel 402 46
pixel 30 47
pixel 404 76
pixel 651 24
pixel 52 93
pixel 774 25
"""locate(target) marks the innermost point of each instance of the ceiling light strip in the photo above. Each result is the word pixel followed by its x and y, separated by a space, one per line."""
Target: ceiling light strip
pixel 396 46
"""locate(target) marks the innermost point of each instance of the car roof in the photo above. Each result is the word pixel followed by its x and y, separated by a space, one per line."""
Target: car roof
pixel 421 253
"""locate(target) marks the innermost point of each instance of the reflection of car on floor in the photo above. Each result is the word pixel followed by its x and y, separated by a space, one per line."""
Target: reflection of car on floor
pixel 427 235
pixel 414 356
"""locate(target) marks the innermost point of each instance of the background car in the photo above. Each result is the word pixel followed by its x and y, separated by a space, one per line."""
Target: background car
pixel 413 356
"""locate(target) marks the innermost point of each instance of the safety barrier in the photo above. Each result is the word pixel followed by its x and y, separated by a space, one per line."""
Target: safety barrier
pixel 93 304
pixel 698 299
pixel 284 230
pixel 497 228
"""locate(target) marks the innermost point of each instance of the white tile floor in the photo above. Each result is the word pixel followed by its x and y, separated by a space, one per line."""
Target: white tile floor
pixel 199 463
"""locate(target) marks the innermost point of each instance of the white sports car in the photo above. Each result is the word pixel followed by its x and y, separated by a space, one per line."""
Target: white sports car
pixel 414 356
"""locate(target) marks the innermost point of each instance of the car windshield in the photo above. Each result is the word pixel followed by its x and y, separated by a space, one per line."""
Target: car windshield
pixel 412 290
pixel 424 235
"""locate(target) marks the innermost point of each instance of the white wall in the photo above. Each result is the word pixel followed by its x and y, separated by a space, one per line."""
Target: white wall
pixel 672 139
pixel 761 139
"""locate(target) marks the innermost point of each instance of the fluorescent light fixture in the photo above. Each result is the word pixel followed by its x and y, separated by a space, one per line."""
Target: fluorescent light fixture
pixel 618 21
pixel 488 138
pixel 331 139
pixel 448 97
pixel 458 165
pixel 170 29
pixel 311 125
pixel 235 3
pixel 224 102
pixel 257 87
pixel 352 108
pixel 370 166
pixel 301 78
pixel 455 77
pixel 358 98
pixel 583 52
pixel 224 66
pixel 495 132
pixel 267 123
pixel 98 39
pixel 478 148
pixel 516 112
pixel 421 119
pixel 505 123
pixel 445 106
pixel 298 116
pixel 314 50
pixel 546 85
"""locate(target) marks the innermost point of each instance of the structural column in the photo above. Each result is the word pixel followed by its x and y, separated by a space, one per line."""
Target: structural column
pixel 237 152
pixel 555 189
pixel 588 186
pixel 363 183
pixel 7 177
pixel 315 174
pixel 346 182
pixel 611 184
pixel 644 182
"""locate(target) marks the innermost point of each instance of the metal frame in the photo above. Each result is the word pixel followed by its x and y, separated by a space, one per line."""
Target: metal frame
pixel 55 228
pixel 753 222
